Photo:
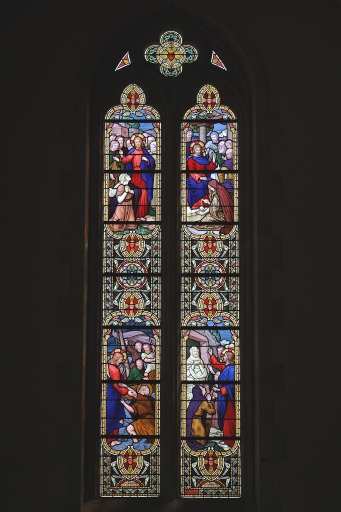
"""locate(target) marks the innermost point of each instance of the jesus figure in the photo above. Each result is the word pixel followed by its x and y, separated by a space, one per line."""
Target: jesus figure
pixel 197 181
pixel 138 159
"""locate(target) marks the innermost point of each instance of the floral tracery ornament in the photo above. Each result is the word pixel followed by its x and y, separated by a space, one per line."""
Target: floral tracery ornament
pixel 171 54
pixel 208 106
pixel 133 98
pixel 132 106
pixel 208 98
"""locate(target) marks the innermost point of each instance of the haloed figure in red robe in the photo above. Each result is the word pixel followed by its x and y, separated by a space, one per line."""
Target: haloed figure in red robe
pixel 226 395
pixel 197 182
pixel 138 159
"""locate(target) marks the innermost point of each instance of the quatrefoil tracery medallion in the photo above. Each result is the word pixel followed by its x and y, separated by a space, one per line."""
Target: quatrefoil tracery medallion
pixel 171 54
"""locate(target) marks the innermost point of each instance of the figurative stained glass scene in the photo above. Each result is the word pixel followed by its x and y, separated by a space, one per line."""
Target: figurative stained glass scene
pixel 131 299
pixel 210 368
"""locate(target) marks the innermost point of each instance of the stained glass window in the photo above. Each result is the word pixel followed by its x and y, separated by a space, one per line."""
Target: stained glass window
pixel 210 458
pixel 130 364
pixel 171 54
pixel 210 349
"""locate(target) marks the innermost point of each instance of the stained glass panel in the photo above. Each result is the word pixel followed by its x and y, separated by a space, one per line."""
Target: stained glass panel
pixel 125 61
pixel 131 337
pixel 171 54
pixel 216 61
pixel 210 343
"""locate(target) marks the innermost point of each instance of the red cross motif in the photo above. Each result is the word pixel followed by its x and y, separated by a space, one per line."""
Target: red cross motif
pixel 209 100
pixel 210 308
pixel 131 305
pixel 130 460
pixel 133 100
pixel 210 461
pixel 132 244
pixel 210 246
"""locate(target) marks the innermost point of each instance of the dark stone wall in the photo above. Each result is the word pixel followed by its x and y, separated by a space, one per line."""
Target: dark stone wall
pixel 290 56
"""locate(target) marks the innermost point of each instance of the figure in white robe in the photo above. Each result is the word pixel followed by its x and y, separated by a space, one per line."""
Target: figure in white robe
pixel 196 370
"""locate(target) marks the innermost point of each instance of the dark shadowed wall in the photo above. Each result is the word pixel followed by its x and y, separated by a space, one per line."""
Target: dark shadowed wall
pixel 289 53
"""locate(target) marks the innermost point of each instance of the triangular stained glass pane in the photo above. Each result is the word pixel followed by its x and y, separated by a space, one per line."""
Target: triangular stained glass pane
pixel 216 61
pixel 125 61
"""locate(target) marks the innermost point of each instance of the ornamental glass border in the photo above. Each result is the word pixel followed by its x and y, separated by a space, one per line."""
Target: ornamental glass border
pixel 131 334
pixel 210 343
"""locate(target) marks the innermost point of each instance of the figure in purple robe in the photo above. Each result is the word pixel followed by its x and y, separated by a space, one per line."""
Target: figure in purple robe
pixel 197 423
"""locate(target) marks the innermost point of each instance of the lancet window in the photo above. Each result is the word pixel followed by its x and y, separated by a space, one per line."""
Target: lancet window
pixel 210 349
pixel 130 405
pixel 209 341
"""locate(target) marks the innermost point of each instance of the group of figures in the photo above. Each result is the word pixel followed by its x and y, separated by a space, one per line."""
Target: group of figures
pixel 210 179
pixel 132 187
pixel 210 404
pixel 130 398
pixel 210 410
pixel 131 180
pixel 209 298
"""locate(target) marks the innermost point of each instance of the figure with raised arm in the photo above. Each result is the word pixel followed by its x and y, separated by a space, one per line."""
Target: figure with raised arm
pixel 226 394
pixel 198 177
pixel 139 161
pixel 115 391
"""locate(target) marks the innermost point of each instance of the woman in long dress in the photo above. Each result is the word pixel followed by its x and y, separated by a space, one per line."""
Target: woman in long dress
pixel 123 215
pixel 221 205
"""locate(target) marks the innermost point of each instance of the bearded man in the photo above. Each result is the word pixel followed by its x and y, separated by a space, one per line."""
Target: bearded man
pixel 138 159
pixel 226 395
pixel 115 390
pixel 197 181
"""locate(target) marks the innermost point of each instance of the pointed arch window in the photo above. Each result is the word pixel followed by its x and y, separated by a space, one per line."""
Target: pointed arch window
pixel 210 351
pixel 205 333
pixel 131 298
